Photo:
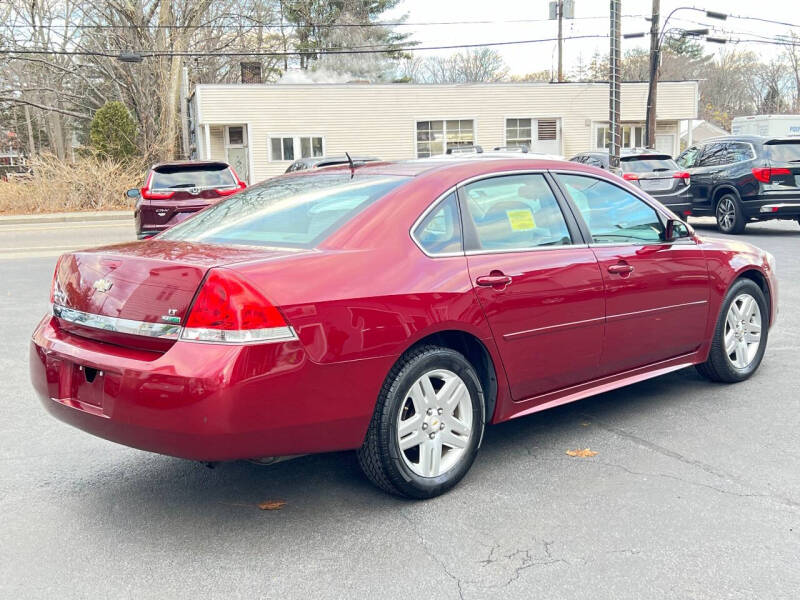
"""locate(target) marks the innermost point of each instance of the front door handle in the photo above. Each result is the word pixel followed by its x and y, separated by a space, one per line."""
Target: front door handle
pixel 496 279
pixel 620 269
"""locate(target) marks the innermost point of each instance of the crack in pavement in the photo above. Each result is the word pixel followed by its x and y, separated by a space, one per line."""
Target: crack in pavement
pixel 705 467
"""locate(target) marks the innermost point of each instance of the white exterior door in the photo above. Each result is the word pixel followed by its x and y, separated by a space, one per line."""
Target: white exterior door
pixel 546 136
pixel 237 153
pixel 665 142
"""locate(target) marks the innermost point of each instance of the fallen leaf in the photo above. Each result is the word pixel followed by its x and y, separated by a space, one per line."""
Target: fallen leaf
pixel 272 505
pixel 586 452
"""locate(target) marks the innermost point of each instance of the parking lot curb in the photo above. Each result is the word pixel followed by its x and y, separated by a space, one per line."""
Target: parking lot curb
pixel 72 217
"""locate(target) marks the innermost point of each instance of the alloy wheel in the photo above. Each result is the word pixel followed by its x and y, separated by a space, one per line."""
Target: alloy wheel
pixel 726 213
pixel 434 425
pixel 742 331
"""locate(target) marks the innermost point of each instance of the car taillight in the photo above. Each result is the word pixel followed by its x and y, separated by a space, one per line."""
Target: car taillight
pixel 230 191
pixel 54 288
pixel 228 309
pixel 765 174
pixel 630 176
pixel 147 194
pixel 684 176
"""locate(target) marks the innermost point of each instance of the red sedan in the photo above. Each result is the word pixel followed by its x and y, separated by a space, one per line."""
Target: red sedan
pixel 395 309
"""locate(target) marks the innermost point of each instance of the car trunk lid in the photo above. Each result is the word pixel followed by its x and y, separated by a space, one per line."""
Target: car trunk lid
pixel 138 294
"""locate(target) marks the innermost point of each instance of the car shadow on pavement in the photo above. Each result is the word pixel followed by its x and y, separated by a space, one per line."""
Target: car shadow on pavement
pixel 152 492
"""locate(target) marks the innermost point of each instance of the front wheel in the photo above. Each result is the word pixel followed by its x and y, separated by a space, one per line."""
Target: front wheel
pixel 729 215
pixel 427 425
pixel 740 337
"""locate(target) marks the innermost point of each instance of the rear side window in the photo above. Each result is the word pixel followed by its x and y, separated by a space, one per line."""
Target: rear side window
pixel 786 152
pixel 298 211
pixel 613 215
pixel 515 212
pixel 648 164
pixel 440 231
pixel 739 151
pixel 192 176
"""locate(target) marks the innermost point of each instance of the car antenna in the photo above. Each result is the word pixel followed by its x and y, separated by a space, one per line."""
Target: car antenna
pixel 352 166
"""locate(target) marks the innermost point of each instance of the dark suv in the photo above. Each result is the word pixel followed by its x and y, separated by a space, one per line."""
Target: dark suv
pixel 744 178
pixel 174 191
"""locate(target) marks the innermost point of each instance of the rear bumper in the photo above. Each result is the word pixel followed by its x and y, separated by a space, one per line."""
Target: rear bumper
pixel 206 402
pixel 772 206
pixel 780 209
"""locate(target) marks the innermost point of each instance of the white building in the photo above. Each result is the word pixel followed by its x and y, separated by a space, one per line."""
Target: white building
pixel 261 128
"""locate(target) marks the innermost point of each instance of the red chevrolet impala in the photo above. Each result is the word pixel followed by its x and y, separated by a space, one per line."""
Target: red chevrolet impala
pixel 395 309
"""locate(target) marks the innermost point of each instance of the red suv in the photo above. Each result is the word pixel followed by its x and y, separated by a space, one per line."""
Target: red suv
pixel 173 191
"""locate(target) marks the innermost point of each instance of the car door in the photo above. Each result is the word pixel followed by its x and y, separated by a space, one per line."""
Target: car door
pixel 705 174
pixel 656 291
pixel 538 283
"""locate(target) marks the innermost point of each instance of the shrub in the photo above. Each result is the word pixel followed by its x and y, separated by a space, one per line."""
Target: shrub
pixel 112 133
pixel 59 186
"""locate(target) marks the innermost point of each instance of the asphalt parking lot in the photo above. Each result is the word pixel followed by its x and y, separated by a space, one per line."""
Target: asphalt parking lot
pixel 694 491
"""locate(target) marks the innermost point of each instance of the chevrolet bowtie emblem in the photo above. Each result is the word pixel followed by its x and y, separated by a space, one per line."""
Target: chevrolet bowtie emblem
pixel 102 285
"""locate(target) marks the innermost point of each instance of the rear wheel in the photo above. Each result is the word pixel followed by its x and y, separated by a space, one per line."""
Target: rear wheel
pixel 729 215
pixel 740 336
pixel 427 425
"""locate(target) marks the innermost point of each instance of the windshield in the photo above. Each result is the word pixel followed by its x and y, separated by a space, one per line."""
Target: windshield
pixel 648 164
pixel 298 211
pixel 190 176
pixel 787 152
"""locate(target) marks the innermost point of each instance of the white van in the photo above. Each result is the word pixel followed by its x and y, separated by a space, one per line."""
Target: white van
pixel 767 125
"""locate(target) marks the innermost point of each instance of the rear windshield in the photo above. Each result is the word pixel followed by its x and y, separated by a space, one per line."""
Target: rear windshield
pixel 787 152
pixel 298 211
pixel 191 176
pixel 647 164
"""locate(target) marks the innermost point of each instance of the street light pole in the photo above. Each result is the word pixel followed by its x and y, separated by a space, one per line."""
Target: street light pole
pixel 652 92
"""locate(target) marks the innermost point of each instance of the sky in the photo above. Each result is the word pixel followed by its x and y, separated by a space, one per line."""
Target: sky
pixel 591 19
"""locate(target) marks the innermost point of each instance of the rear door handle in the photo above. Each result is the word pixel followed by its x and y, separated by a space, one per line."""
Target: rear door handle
pixel 493 280
pixel 620 269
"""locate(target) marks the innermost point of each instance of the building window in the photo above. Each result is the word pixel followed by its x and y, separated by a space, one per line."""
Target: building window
pixel 518 132
pixel 235 135
pixel 437 137
pixel 632 137
pixel 291 147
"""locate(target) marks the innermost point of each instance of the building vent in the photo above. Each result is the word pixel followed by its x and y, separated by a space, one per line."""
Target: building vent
pixel 548 129
pixel 251 72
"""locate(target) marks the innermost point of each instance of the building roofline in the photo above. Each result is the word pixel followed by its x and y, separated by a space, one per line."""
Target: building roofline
pixel 432 85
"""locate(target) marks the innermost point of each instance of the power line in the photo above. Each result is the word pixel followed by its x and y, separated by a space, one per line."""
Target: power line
pixel 150 53
pixel 258 24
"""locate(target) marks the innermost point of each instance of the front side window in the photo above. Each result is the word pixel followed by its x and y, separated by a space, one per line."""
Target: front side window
pixel 297 212
pixel 688 158
pixel 437 137
pixel 612 215
pixel 293 147
pixel 440 231
pixel 515 212
pixel 714 155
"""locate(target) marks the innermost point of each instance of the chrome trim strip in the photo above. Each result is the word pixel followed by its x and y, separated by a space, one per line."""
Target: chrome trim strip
pixel 637 313
pixel 550 328
pixel 118 325
pixel 169 331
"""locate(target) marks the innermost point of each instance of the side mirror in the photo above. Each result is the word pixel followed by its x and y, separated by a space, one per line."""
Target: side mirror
pixel 133 193
pixel 669 230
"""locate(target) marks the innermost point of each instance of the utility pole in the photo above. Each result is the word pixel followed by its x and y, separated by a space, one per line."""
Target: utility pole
pixel 560 9
pixel 614 76
pixel 652 92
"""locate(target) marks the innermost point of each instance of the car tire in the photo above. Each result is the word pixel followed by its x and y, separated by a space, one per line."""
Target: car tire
pixel 723 364
pixel 728 212
pixel 413 421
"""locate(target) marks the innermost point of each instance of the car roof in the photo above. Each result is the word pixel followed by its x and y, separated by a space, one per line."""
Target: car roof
pixel 753 139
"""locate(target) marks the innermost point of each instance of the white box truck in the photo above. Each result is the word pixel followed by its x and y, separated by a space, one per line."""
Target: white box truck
pixel 767 125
